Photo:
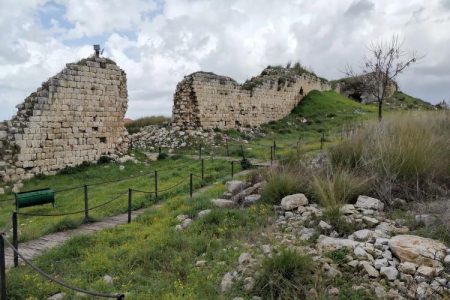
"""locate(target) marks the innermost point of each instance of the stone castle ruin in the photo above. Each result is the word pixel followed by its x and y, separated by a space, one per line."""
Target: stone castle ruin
pixel 209 101
pixel 75 116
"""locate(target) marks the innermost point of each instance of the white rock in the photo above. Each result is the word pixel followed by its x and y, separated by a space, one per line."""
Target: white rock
pixel 293 201
pixel 186 223
pixel 423 291
pixel 57 296
pixel 200 263
pixel 244 258
pixel 203 213
pixel 223 203
pixel 324 225
pixel 251 199
pixel 371 271
pixel 227 282
pixel 425 271
pixel 425 219
pixel 379 263
pixel 370 221
pixel 362 235
pixel 307 233
pixel 379 291
pixel 108 279
pixel 390 273
pixel 235 186
pixel 326 243
pixel 419 250
pixel 447 260
pixel 2 191
pixel 407 267
pixel 249 283
pixel 266 249
pixel 181 218
pixel 348 209
pixel 360 252
pixel 365 202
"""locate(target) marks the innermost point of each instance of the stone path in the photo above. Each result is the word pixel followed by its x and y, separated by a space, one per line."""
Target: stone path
pixel 34 248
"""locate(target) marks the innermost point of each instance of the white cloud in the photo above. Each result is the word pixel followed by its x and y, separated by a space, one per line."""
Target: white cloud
pixel 157 43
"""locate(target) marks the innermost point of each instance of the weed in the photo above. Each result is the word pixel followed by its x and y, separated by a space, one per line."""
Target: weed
pixel 334 217
pixel 278 186
pixel 162 156
pixel 287 275
pixel 338 255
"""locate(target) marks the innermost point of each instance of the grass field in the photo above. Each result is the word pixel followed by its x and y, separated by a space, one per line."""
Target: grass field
pixel 148 256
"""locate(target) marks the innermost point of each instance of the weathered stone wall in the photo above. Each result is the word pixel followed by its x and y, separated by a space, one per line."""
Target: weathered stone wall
pixel 75 116
pixel 205 100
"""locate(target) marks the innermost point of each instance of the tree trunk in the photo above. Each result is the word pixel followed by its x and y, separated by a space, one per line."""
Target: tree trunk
pixel 380 106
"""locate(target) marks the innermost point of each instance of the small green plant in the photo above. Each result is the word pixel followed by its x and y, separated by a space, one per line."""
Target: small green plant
pixel 103 160
pixel 245 164
pixel 338 255
pixel 278 186
pixel 162 156
pixel 339 187
pixel 68 170
pixel 333 216
pixel 287 275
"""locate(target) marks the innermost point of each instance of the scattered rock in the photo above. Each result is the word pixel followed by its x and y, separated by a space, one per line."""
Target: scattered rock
pixel 425 271
pixel 390 273
pixel 200 263
pixel 307 233
pixel 57 296
pixel 363 234
pixel 365 202
pixel 203 213
pixel 379 263
pixel 326 243
pixel 293 201
pixel 324 225
pixel 108 279
pixel 2 191
pixel 227 282
pixel 223 203
pixel 370 270
pixel 425 219
pixel 249 283
pixel 181 218
pixel 235 186
pixel 251 199
pixel 407 268
pixel 423 291
pixel 370 221
pixel 266 249
pixel 244 258
pixel 360 252
pixel 186 223
pixel 416 249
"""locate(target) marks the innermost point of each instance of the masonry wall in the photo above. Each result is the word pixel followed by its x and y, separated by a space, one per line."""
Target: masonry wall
pixel 205 100
pixel 75 116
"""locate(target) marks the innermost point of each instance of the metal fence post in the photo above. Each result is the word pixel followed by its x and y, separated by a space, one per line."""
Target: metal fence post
pixel 159 150
pixel 2 268
pixel 15 239
pixel 156 184
pixel 226 145
pixel 200 152
pixel 130 195
pixel 322 140
pixel 232 169
pixel 274 145
pixel 203 169
pixel 271 155
pixel 190 185
pixel 242 152
pixel 86 204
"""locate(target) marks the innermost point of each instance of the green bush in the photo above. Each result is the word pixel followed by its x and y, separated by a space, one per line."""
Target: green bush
pixel 162 156
pixel 288 275
pixel 278 186
pixel 333 216
pixel 339 187
pixel 245 164
pixel 104 160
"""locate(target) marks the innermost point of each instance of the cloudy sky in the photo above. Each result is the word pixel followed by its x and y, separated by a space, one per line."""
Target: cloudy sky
pixel 157 42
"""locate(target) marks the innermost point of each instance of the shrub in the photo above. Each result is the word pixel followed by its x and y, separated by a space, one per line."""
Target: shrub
pixel 288 275
pixel 68 170
pixel 338 188
pixel 333 216
pixel 104 160
pixel 245 164
pixel 278 186
pixel 162 156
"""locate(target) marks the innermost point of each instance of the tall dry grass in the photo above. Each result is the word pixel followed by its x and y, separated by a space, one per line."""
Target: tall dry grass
pixel 408 154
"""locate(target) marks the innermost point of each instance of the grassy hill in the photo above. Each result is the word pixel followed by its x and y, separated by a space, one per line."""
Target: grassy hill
pixel 149 256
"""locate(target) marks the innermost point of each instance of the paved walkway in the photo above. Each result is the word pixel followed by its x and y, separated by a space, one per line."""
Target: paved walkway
pixel 34 248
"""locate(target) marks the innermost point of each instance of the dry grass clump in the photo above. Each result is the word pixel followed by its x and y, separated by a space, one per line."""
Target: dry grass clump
pixel 136 125
pixel 409 155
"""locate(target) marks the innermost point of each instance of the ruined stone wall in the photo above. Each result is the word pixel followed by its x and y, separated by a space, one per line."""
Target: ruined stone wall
pixel 205 100
pixel 75 116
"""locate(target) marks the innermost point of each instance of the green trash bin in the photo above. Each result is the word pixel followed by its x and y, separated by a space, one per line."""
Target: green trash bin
pixel 36 197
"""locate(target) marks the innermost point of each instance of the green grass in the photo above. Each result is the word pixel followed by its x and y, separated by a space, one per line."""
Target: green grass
pixel 148 256
pixel 171 172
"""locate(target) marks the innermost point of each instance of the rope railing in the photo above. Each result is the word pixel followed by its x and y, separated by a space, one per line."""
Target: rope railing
pixel 74 212
pixel 60 282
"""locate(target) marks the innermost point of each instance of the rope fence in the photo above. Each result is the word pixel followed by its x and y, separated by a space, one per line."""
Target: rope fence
pixel 43 274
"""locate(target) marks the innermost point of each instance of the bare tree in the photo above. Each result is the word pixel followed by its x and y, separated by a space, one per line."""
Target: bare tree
pixel 386 59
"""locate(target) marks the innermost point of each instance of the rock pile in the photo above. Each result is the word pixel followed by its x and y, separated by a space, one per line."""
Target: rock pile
pixel 390 263
pixel 239 193
pixel 152 137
